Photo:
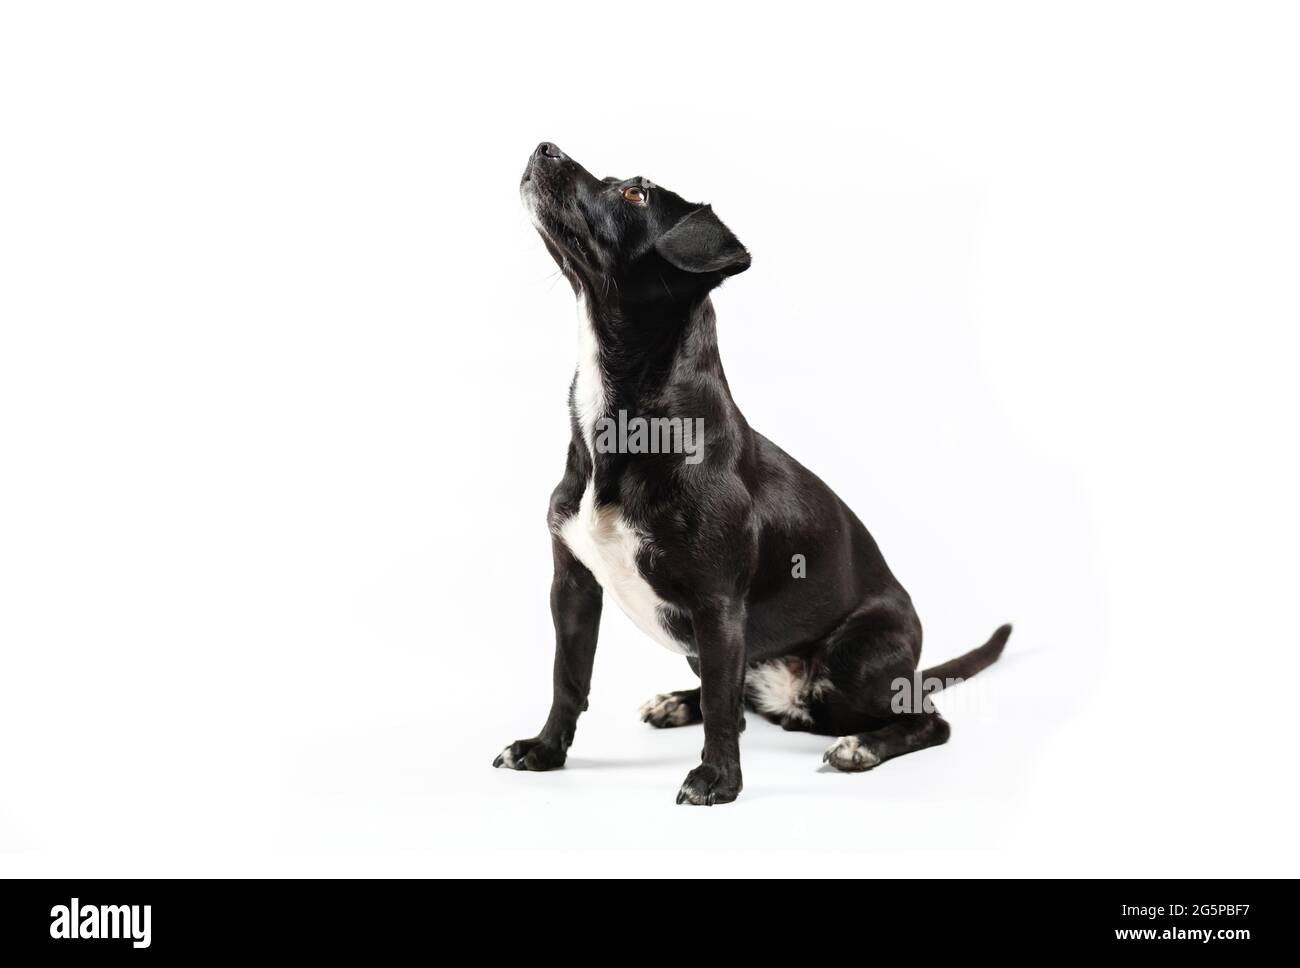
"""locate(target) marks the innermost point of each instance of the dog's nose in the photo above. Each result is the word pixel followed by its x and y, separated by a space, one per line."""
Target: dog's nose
pixel 548 150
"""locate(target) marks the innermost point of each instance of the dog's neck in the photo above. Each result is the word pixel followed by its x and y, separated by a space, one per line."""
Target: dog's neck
pixel 631 359
pixel 639 352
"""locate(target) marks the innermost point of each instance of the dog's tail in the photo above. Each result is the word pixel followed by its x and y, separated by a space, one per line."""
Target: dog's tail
pixel 976 660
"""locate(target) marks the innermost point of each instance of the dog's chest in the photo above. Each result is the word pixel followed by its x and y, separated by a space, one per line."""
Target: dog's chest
pixel 602 540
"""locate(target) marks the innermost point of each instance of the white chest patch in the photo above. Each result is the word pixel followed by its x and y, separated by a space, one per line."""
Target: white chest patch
pixel 601 539
pixel 608 546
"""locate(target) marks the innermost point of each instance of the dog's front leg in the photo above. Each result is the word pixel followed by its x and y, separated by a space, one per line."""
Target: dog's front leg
pixel 720 642
pixel 575 610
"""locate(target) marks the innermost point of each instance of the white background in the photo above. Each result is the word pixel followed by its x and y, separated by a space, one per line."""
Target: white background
pixel 282 383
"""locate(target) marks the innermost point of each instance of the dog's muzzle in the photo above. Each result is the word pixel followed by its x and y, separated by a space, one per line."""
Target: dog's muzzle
pixel 548 167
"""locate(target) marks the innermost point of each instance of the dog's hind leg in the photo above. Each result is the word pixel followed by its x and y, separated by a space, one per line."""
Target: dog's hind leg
pixel 906 733
pixel 865 660
pixel 680 708
pixel 871 663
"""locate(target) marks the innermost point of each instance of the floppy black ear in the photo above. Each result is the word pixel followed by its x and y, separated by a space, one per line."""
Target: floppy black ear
pixel 701 243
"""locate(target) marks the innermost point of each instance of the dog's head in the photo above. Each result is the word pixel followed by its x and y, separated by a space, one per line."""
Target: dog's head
pixel 626 237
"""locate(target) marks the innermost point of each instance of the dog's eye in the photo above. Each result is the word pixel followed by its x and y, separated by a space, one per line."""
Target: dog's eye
pixel 634 194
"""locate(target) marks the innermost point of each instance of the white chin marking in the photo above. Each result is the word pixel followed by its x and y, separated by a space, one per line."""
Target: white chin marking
pixel 783 688
pixel 529 195
pixel 848 753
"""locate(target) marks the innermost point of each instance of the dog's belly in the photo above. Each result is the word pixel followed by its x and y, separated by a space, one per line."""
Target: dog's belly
pixel 608 546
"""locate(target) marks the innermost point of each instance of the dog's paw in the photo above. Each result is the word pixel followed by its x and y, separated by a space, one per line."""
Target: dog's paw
pixel 706 785
pixel 530 754
pixel 851 755
pixel 671 709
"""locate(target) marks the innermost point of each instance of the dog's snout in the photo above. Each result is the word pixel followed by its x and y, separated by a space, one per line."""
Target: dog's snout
pixel 550 172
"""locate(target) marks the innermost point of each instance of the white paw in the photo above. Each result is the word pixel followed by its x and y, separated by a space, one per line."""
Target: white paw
pixel 665 710
pixel 848 753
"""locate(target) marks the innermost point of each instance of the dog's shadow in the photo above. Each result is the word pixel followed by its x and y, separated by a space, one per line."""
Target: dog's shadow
pixel 588 763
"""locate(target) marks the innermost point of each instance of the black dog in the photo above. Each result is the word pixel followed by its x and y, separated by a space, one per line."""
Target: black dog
pixel 732 554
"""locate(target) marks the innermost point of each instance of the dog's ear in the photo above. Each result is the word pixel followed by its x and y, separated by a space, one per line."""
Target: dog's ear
pixel 701 243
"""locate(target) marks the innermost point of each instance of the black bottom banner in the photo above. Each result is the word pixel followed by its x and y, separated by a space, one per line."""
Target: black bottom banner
pixel 143 919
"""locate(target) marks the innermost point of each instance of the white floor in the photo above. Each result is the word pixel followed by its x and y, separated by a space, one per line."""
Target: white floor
pixel 383 767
